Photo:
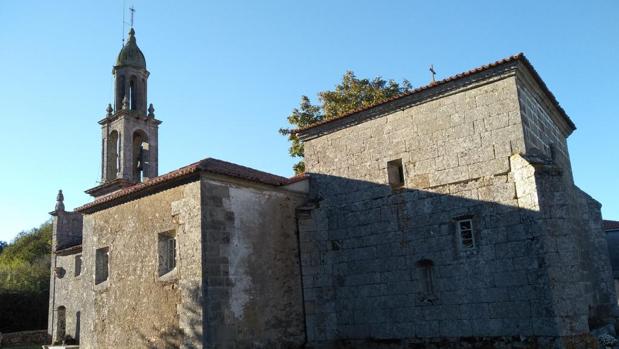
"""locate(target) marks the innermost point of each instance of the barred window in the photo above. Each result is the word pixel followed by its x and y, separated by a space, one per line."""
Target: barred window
pixel 465 233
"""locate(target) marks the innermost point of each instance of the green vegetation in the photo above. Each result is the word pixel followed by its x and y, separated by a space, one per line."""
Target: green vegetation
pixel 24 280
pixel 25 263
pixel 349 95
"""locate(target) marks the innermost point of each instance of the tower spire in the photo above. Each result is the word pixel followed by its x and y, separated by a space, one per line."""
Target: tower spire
pixel 130 129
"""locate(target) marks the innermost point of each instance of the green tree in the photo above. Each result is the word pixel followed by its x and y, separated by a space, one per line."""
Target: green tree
pixel 25 262
pixel 349 95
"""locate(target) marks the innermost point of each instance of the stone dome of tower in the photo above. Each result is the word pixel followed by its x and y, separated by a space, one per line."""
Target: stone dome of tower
pixel 131 54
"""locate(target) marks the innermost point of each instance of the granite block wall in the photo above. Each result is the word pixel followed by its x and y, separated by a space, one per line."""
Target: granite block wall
pixel 382 264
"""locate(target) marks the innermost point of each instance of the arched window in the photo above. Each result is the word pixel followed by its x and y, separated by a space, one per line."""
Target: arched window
pixel 140 155
pixel 132 95
pixel 144 92
pixel 120 92
pixel 113 155
pixel 426 275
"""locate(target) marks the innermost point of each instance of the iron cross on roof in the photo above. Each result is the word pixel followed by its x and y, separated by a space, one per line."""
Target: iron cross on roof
pixel 433 72
pixel 132 9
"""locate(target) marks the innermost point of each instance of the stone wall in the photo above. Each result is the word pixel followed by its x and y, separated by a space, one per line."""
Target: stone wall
pixel 135 308
pixel 67 231
pixel 467 134
pixel 24 337
pixel 367 248
pixel 66 292
pixel 545 131
pixel 252 275
pixel 576 256
pixel 612 239
pixel 362 244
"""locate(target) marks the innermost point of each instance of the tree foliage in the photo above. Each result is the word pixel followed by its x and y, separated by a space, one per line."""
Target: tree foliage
pixel 25 263
pixel 349 95
pixel 24 280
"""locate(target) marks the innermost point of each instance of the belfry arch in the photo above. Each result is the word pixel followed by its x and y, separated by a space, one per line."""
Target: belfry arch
pixel 140 155
pixel 113 155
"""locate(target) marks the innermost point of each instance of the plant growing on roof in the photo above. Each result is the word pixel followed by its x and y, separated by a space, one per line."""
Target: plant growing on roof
pixel 349 95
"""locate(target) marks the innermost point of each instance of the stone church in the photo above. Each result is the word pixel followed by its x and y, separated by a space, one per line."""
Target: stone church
pixel 446 217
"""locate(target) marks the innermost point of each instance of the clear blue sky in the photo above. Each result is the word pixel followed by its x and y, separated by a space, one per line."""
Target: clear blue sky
pixel 225 74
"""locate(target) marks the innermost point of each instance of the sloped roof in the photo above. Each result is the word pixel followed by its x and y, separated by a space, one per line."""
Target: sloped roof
pixel 512 59
pixel 610 225
pixel 183 175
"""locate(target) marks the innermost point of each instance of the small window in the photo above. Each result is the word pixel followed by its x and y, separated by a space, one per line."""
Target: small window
pixel 167 252
pixel 102 265
pixel 395 173
pixel 78 265
pixel 465 233
pixel 425 267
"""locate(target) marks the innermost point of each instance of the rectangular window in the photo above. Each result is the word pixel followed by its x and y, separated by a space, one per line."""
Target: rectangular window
pixel 465 233
pixel 167 252
pixel 78 265
pixel 395 173
pixel 102 257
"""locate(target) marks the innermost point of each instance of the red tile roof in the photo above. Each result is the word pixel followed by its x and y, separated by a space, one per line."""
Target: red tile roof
pixel 68 250
pixel 610 225
pixel 185 174
pixel 518 57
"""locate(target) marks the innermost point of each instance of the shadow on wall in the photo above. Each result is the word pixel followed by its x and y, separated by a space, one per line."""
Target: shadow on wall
pixel 174 336
pixel 465 260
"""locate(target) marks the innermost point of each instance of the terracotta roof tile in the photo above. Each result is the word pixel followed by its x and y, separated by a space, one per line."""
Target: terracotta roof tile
pixel 610 225
pixel 514 58
pixel 298 178
pixel 188 172
pixel 233 170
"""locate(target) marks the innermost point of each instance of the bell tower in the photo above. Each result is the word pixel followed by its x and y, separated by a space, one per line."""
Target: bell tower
pixel 129 130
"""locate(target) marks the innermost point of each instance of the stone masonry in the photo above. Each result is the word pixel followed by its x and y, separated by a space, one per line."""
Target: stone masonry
pixel 490 147
pixel 443 218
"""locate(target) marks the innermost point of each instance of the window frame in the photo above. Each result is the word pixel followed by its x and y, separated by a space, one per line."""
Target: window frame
pixel 167 254
pixel 470 230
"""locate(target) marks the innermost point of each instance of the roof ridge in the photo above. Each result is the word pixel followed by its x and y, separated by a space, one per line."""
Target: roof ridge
pixel 208 164
pixel 203 165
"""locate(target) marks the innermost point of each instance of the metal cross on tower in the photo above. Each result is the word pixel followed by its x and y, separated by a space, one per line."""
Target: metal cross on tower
pixel 132 13
pixel 433 72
